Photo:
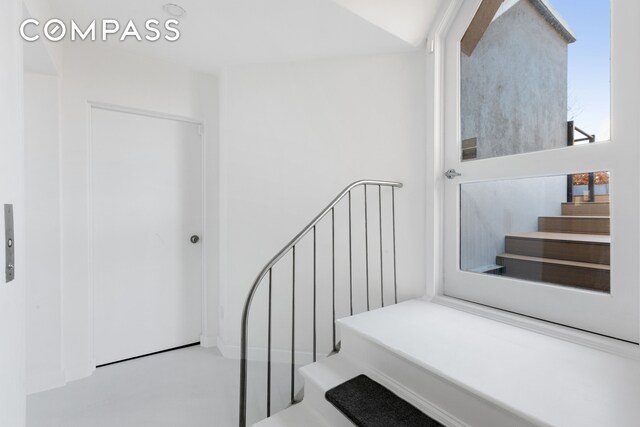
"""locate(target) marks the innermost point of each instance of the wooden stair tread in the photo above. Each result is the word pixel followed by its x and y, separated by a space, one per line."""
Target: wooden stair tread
pixel 585 203
pixel 555 261
pixel 565 237
pixel 578 217
pixel 598 198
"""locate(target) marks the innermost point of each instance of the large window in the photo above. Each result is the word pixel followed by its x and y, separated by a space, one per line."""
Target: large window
pixel 537 100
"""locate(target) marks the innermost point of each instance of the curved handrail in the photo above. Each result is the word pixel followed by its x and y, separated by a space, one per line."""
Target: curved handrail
pixel 269 266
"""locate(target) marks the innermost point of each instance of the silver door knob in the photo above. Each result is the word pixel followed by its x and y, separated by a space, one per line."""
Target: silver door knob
pixel 195 238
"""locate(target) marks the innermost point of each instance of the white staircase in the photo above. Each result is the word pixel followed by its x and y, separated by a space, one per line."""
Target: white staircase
pixel 465 370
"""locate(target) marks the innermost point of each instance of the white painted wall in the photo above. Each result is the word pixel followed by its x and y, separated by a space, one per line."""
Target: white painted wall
pixel 44 331
pixel 12 295
pixel 209 107
pixel 42 56
pixel 42 209
pixel 98 74
pixel 292 137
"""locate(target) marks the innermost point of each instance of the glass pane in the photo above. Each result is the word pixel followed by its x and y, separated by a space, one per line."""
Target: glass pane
pixel 550 229
pixel 535 76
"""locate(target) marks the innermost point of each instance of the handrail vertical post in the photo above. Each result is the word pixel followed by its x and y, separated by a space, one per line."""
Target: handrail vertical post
pixel 571 129
pixel 293 324
pixel 243 363
pixel 592 177
pixel 350 262
pixel 393 223
pixel 315 338
pixel 591 185
pixel 333 276
pixel 366 243
pixel 243 390
pixel 381 258
pixel 269 352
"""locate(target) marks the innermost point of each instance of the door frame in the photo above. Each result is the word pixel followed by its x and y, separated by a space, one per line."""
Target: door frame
pixel 435 52
pixel 90 214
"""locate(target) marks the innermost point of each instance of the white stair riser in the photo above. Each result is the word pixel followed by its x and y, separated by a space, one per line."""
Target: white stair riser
pixel 314 396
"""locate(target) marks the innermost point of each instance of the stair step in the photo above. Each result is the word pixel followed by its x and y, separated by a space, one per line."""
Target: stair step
pixel 370 404
pixel 294 416
pixel 570 273
pixel 320 377
pixel 588 248
pixel 326 374
pixel 586 208
pixel 575 224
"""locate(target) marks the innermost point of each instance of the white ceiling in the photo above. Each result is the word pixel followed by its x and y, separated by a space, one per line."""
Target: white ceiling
pixel 216 33
pixel 410 20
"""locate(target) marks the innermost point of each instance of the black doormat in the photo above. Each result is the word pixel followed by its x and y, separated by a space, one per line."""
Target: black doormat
pixel 369 404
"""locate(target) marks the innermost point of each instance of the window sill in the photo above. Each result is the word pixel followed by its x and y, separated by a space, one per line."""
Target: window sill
pixel 561 332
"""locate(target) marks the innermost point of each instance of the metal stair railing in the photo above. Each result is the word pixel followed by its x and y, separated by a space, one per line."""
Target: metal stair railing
pixel 571 140
pixel 291 248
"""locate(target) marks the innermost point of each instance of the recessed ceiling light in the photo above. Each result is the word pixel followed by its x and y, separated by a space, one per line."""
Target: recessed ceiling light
pixel 174 10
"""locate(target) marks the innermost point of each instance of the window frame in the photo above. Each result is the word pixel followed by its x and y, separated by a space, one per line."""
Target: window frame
pixel 443 61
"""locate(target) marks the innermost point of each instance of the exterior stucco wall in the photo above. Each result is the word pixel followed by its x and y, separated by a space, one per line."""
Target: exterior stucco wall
pixel 514 86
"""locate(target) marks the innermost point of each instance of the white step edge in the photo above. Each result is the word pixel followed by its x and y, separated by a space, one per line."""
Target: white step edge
pixel 335 370
pixel 321 377
pixel 301 414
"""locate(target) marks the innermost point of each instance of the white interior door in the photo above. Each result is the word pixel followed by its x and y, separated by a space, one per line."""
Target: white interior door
pixel 146 191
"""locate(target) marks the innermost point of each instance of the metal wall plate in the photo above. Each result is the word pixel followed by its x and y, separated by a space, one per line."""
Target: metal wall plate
pixel 9 244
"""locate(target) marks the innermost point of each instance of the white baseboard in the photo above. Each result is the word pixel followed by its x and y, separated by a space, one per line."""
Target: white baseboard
pixel 45 380
pixel 232 351
pixel 81 372
pixel 208 341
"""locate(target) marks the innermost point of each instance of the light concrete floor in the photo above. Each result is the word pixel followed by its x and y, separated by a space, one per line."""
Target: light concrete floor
pixel 189 387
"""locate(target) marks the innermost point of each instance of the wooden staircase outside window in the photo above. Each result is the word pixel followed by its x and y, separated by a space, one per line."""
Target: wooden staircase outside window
pixel 572 249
